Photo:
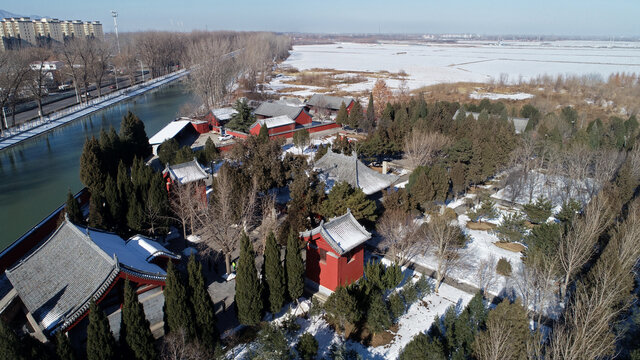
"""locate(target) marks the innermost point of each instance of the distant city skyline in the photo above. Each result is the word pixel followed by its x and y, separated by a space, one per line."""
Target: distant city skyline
pixel 543 17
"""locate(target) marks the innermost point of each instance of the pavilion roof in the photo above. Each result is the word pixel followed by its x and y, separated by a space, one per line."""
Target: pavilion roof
pixel 186 172
pixel 342 233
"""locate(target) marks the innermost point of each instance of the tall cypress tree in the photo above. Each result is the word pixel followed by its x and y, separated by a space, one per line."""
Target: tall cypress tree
pixel 342 118
pixel 202 305
pixel 135 328
pixel 294 267
pixel 9 344
pixel 73 209
pixel 247 285
pixel 97 211
pixel 112 198
pixel 92 171
pixel 101 344
pixel 355 115
pixel 157 209
pixel 134 138
pixel 274 274
pixel 63 347
pixel 178 311
pixel 378 317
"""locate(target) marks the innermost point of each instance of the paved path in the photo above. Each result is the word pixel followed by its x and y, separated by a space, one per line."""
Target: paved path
pixel 26 131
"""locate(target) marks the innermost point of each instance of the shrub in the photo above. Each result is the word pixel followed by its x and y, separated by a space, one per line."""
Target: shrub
pixel 503 267
pixel 307 347
pixel 450 214
pixel 396 305
pixel 511 229
pixel 485 211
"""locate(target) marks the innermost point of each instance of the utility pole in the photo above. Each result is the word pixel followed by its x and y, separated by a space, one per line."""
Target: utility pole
pixel 115 24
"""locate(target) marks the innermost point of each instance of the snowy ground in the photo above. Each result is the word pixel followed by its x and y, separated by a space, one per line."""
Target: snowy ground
pixel 417 319
pixel 428 64
pixel 495 96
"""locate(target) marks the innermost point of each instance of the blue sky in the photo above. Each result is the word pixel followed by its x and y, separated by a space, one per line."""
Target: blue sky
pixel 549 17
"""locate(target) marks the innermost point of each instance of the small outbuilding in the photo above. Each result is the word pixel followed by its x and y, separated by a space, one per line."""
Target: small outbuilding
pixel 182 130
pixel 320 103
pixel 335 252
pixel 275 125
pixel 219 117
pixel 272 109
pixel 186 173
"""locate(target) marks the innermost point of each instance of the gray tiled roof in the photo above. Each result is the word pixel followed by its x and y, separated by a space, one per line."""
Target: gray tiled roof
pixel 348 168
pixel 270 109
pixel 342 233
pixel 62 275
pixel 329 102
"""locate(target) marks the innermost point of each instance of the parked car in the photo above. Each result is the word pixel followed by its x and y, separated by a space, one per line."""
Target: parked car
pixel 225 137
pixel 64 87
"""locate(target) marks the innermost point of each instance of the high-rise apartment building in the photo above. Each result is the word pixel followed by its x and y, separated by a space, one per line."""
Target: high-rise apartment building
pixel 17 32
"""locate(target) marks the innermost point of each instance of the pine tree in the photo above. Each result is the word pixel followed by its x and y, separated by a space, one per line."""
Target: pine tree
pixel 63 347
pixel 342 197
pixel 92 170
pixel 539 211
pixel 263 135
pixel 97 212
pixel 112 199
pixel 157 209
pixel 485 211
pixel 9 344
pixel 178 311
pixel 342 308
pixel 247 295
pixel 307 347
pixel 294 267
pixel 243 118
pixel 511 229
pixel 378 317
pixel 342 118
pixel 355 115
pixel 274 274
pixel 423 346
pixel 73 209
pixel 133 138
pixel 211 152
pixel 167 151
pixel 371 112
pixel 101 344
pixel 202 305
pixel 134 330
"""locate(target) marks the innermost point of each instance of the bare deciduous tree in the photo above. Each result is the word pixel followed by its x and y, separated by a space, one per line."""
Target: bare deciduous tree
pixel 400 233
pixel 421 147
pixel 39 76
pixel 495 342
pixel 185 201
pixel 177 346
pixel 444 240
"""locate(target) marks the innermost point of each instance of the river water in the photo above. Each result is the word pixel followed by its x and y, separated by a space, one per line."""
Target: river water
pixel 35 175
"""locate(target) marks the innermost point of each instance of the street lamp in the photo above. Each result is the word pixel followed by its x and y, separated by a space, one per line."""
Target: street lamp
pixel 114 14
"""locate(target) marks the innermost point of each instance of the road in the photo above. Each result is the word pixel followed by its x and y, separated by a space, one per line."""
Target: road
pixel 25 116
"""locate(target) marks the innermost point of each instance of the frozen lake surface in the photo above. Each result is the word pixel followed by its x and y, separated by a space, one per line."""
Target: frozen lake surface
pixel 428 64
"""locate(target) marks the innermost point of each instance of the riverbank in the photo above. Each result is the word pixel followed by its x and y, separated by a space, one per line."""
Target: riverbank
pixel 32 129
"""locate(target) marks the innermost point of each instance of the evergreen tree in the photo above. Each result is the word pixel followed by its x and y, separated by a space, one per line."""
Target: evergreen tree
pixel 133 138
pixel 511 229
pixel 371 115
pixel 356 115
pixel 185 154
pixel 342 197
pixel 271 344
pixel 9 344
pixel 342 118
pixel 167 151
pixel 569 211
pixel 211 152
pixel 134 330
pixel 202 304
pixel 301 138
pixel 307 347
pixel 247 285
pixel 178 311
pixel 485 211
pixel 158 208
pixel 274 274
pixel 97 212
pixel 101 344
pixel 73 209
pixel 539 211
pixel 112 199
pixel 378 317
pixel 458 178
pixel 342 308
pixel 294 267
pixel 92 170
pixel 422 346
pixel 110 150
pixel 243 119
pixel 396 306
pixel 63 347
pixel 263 135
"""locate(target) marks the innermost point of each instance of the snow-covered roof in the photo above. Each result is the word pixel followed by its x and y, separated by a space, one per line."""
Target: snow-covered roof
pixel 348 168
pixel 329 102
pixel 274 122
pixel 520 124
pixel 75 265
pixel 342 233
pixel 270 109
pixel 223 114
pixel 168 132
pixel 186 172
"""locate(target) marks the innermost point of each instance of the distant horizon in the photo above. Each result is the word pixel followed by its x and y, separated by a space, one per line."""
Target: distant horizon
pixel 570 18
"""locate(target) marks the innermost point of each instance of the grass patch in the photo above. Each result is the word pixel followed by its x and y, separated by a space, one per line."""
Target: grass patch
pixel 515 247
pixel 481 226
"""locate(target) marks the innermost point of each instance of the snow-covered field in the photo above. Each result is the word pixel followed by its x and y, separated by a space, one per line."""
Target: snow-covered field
pixel 428 64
